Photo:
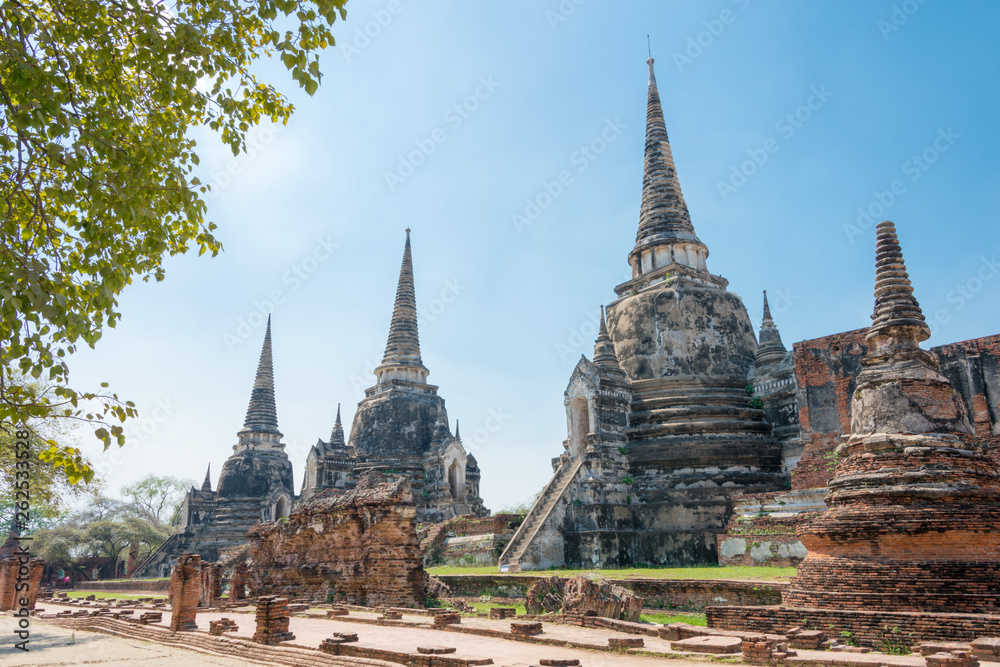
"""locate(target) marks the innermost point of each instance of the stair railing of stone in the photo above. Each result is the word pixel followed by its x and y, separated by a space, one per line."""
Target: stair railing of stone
pixel 168 543
pixel 524 534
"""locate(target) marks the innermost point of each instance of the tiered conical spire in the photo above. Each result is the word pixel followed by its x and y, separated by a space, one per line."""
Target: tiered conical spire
pixel 771 349
pixel 664 217
pixel 207 484
pixel 403 346
pixel 262 417
pixel 605 357
pixel 897 321
pixel 337 434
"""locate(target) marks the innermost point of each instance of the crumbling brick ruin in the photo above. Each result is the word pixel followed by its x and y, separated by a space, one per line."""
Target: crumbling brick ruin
pixel 362 544
pixel 185 590
pixel 914 518
pixel 238 583
pixel 272 621
pixel 211 584
pixel 20 573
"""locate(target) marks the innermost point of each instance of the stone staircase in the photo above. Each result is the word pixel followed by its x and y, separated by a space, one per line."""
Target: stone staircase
pixel 514 553
pixel 228 528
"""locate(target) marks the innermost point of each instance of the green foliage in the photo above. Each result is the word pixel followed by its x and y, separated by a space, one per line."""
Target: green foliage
pixel 833 459
pixel 49 490
pixel 97 98
pixel 893 642
pixel 627 480
pixel 158 499
pixel 623 451
pixel 104 527
pixel 756 403
pixel 522 508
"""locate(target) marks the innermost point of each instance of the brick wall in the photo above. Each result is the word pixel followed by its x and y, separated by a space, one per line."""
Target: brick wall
pixel 973 368
pixel 361 544
pixel 826 371
pixel 879 629
pixel 15 572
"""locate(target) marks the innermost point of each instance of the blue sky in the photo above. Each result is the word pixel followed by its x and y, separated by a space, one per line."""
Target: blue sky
pixel 902 123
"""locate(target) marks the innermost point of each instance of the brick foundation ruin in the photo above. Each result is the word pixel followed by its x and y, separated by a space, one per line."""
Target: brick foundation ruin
pixel 272 621
pixel 914 518
pixel 15 572
pixel 362 544
pixel 238 583
pixel 211 585
pixel 185 590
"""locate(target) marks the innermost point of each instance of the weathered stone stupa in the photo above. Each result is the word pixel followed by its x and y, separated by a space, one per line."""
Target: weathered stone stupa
pixel 401 427
pixel 914 518
pixel 255 484
pixel 663 433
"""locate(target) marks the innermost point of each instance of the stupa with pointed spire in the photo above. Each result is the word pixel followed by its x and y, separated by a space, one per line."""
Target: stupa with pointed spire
pixel 259 466
pixel 255 484
pixel 663 406
pixel 914 518
pixel 401 426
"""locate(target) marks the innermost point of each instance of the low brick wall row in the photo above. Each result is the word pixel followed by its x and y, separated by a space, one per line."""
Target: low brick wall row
pixel 693 594
pixel 877 629
pixel 219 646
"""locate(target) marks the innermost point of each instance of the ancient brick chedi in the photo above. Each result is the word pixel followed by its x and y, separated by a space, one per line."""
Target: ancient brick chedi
pixel 255 484
pixel 914 518
pixel 662 431
pixel 360 544
pixel 401 427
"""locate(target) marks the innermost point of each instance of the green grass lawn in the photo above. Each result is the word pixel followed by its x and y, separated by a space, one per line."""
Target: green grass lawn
pixel 708 572
pixel 486 606
pixel 664 619
pixel 103 595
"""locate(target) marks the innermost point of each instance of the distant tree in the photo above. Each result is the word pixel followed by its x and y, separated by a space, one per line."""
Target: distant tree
pixel 523 507
pixel 61 545
pixel 157 498
pixel 97 98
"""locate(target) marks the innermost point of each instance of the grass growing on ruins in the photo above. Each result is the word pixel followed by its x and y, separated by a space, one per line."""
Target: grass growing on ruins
pixel 104 595
pixel 486 606
pixel 708 572
pixel 664 619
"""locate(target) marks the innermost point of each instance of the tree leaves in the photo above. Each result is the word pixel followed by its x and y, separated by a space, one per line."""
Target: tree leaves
pixel 97 98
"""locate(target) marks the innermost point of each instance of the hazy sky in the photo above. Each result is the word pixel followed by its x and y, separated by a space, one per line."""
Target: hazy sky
pixel 457 119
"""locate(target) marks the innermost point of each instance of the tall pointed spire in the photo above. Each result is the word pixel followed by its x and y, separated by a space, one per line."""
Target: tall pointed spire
pixel 262 417
pixel 207 484
pixel 403 347
pixel 604 351
pixel 663 218
pixel 771 349
pixel 337 434
pixel 897 323
pixel 458 436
